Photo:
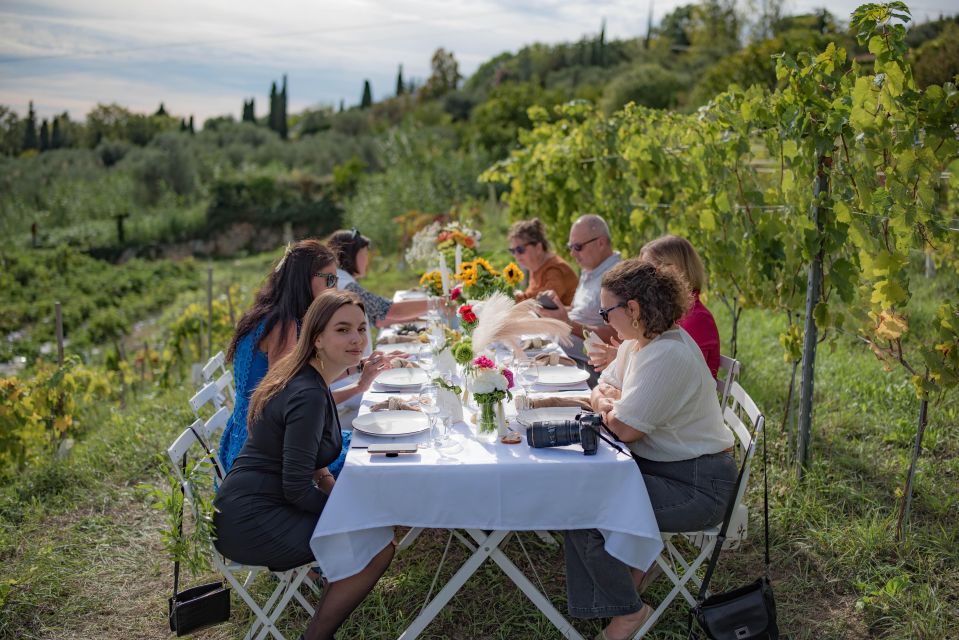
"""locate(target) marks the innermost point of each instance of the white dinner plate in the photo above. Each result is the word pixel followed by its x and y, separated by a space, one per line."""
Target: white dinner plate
pixel 405 347
pixel 529 416
pixel 402 378
pixel 561 375
pixel 410 294
pixel 391 423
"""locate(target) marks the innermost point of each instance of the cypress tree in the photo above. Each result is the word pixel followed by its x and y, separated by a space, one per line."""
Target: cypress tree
pixel 602 44
pixel 400 87
pixel 56 137
pixel 367 100
pixel 44 135
pixel 281 121
pixel 30 130
pixel 161 111
pixel 182 124
pixel 271 121
pixel 342 105
pixel 190 126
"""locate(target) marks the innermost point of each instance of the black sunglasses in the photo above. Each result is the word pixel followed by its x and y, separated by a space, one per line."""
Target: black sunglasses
pixel 354 234
pixel 331 279
pixel 604 313
pixel 521 249
pixel 578 246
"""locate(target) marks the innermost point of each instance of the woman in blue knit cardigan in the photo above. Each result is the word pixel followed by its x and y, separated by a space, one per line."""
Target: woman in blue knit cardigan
pixel 269 329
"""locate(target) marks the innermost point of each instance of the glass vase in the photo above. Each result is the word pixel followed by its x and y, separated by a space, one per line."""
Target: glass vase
pixel 487 422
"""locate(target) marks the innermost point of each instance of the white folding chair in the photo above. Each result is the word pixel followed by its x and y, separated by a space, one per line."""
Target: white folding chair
pixel 671 560
pixel 192 442
pixel 728 373
pixel 218 394
pixel 214 367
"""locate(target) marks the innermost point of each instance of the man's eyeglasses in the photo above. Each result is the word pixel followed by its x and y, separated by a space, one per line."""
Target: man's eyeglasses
pixel 604 313
pixel 521 249
pixel 331 279
pixel 578 246
pixel 354 234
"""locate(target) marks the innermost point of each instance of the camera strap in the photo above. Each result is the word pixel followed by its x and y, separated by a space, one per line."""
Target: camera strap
pixel 613 444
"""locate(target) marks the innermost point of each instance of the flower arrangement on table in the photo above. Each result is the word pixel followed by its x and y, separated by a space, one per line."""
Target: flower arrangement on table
pixel 442 237
pixel 432 283
pixel 491 385
pixel 480 280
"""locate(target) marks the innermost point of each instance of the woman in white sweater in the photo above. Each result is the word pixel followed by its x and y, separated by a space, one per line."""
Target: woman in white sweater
pixel 658 397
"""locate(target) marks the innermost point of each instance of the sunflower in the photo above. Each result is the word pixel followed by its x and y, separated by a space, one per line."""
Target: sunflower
pixel 483 262
pixel 466 268
pixel 512 273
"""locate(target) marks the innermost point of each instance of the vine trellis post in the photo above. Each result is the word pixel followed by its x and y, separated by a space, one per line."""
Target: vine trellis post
pixel 810 331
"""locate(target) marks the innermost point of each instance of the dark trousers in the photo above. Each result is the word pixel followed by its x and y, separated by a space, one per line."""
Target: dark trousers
pixel 688 495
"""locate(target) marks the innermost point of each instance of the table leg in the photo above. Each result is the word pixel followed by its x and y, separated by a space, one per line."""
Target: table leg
pixel 486 546
pixel 520 580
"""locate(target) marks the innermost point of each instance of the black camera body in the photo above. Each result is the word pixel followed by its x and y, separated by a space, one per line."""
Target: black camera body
pixel 583 429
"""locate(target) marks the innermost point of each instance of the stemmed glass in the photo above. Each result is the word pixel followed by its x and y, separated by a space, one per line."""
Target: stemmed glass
pixel 430 406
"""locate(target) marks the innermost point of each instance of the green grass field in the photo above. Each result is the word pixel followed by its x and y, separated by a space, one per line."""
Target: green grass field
pixel 83 557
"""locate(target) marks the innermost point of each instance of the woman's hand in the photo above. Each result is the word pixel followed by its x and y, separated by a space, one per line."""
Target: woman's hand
pixel 609 392
pixel 602 355
pixel 324 480
pixel 376 362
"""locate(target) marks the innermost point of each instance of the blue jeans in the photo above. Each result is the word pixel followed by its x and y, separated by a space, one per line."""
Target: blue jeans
pixel 687 495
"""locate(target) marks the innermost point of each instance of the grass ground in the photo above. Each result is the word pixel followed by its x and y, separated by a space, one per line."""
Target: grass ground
pixel 82 552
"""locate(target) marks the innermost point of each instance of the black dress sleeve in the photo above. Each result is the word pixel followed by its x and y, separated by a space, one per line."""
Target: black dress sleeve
pixel 304 417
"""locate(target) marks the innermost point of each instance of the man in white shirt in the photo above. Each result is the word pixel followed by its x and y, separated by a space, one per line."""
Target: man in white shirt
pixel 591 246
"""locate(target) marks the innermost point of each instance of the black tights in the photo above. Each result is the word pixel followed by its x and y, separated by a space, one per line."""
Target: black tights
pixel 340 598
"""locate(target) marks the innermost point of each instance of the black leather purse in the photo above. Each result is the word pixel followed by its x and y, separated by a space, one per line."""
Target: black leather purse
pixel 746 613
pixel 201 606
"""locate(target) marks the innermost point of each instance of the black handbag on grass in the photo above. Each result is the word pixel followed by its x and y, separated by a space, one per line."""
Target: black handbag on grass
pixel 746 613
pixel 201 606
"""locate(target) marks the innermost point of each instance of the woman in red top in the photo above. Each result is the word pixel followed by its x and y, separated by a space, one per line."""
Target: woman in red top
pixel 679 254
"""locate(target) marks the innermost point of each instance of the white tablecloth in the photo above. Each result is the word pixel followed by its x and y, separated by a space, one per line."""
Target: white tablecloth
pixel 480 485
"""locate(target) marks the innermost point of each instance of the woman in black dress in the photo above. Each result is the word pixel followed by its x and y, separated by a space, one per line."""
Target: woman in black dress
pixel 269 503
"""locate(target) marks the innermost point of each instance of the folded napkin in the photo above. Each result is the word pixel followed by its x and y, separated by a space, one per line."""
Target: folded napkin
pixel 525 402
pixel 396 339
pixel 552 359
pixel 534 343
pixel 403 363
pixel 394 404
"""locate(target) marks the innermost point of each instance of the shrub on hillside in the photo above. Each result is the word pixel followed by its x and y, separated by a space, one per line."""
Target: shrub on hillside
pixel 647 84
pixel 268 200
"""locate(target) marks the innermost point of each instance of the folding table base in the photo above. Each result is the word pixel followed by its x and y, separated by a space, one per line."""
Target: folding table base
pixel 488 546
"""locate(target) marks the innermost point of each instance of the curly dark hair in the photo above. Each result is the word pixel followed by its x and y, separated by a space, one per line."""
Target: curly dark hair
pixel 532 231
pixel 663 295
pixel 346 243
pixel 287 292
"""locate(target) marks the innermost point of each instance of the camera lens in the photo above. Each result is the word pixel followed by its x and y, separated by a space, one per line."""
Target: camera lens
pixel 552 433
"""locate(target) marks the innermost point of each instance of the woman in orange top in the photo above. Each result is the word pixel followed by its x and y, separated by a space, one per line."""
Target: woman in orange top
pixel 528 244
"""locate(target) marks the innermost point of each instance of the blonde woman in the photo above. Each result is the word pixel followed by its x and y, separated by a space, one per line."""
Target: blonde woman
pixel 271 500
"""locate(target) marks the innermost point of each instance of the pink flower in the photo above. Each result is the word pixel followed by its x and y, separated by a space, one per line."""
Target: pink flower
pixel 484 363
pixel 509 377
pixel 455 293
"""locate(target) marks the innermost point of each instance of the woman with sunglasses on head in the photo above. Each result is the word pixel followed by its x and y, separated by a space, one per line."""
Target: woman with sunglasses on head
pixel 659 399
pixel 269 329
pixel 268 505
pixel 352 251
pixel 547 271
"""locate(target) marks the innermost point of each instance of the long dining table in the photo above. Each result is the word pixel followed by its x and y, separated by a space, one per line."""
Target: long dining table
pixel 484 491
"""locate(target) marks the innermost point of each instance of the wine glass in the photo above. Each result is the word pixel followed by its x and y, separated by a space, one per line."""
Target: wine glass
pixel 429 405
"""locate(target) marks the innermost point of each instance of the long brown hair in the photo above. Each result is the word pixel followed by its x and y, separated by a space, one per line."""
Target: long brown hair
pixel 287 293
pixel 314 323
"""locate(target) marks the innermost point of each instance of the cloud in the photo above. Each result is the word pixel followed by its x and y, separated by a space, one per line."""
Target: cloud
pixel 211 54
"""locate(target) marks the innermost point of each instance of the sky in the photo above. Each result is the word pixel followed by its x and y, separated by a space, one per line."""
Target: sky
pixel 205 57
